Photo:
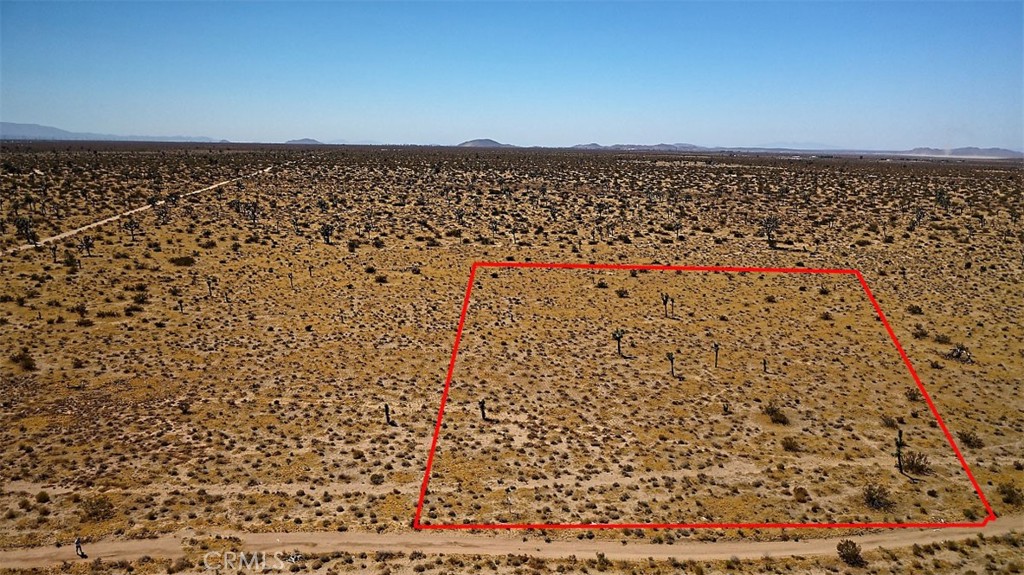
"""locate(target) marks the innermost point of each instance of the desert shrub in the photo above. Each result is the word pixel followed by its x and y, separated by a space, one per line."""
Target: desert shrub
pixel 1011 494
pixel 774 412
pixel 24 360
pixel 916 463
pixel 381 279
pixel 801 495
pixel 913 394
pixel 183 261
pixel 377 479
pixel 84 322
pixel 622 292
pixel 42 497
pixel 790 444
pixel 960 353
pixel 96 508
pixel 914 309
pixel 379 242
pixel 889 421
pixel 602 284
pixel 919 331
pixel 771 299
pixel 181 564
pixel 826 315
pixel 824 290
pixel 942 338
pixel 877 497
pixel 370 270
pixel 849 552
pixel 970 439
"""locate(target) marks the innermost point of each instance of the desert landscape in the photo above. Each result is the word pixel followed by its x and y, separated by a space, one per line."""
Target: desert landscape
pixel 247 353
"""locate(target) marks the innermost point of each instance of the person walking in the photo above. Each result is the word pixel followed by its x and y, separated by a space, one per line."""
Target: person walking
pixel 78 547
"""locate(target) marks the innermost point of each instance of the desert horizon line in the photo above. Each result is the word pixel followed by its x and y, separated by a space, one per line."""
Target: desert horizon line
pixel 43 132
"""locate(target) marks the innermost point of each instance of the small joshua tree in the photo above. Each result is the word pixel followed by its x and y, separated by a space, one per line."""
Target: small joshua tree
pixel 665 298
pixel 770 225
pixel 87 244
pixel 483 409
pixel 671 357
pixel 326 230
pixel 132 226
pixel 617 336
pixel 899 450
pixel 715 347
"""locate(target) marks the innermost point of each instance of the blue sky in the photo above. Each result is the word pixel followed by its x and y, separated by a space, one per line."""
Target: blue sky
pixel 867 74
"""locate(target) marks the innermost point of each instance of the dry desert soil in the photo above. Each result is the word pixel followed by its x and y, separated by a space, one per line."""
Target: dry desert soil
pixel 200 342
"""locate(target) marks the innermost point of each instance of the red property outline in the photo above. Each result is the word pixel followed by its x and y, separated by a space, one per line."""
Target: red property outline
pixel 892 335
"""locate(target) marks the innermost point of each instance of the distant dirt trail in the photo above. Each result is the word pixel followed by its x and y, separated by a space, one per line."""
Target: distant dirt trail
pixel 498 543
pixel 114 218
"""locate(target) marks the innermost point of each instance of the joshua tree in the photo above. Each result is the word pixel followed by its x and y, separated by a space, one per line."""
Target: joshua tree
pixel 24 226
pixel 210 280
pixel 86 245
pixel 715 347
pixel 899 450
pixel 325 231
pixel 387 416
pixel 291 280
pixel 483 409
pixel 132 226
pixel 764 363
pixel 665 298
pixel 617 336
pixel 53 251
pixel 671 357
pixel 770 225
pixel 163 213
pixel 916 221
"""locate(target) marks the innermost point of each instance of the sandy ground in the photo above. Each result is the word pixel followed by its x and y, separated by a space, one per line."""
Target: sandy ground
pixel 501 543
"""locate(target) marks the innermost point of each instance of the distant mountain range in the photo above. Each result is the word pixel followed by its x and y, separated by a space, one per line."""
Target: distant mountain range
pixel 484 143
pixel 14 131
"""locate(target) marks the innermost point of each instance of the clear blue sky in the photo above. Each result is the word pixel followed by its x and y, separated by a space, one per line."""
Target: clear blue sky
pixel 879 75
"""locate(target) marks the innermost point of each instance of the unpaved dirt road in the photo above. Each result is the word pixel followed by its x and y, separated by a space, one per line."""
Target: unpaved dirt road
pixel 498 543
pixel 114 218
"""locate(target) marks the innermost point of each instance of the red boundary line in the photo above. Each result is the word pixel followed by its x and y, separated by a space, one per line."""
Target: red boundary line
pixel 416 524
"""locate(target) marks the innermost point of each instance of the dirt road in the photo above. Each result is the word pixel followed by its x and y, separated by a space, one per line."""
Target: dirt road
pixel 114 218
pixel 498 543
